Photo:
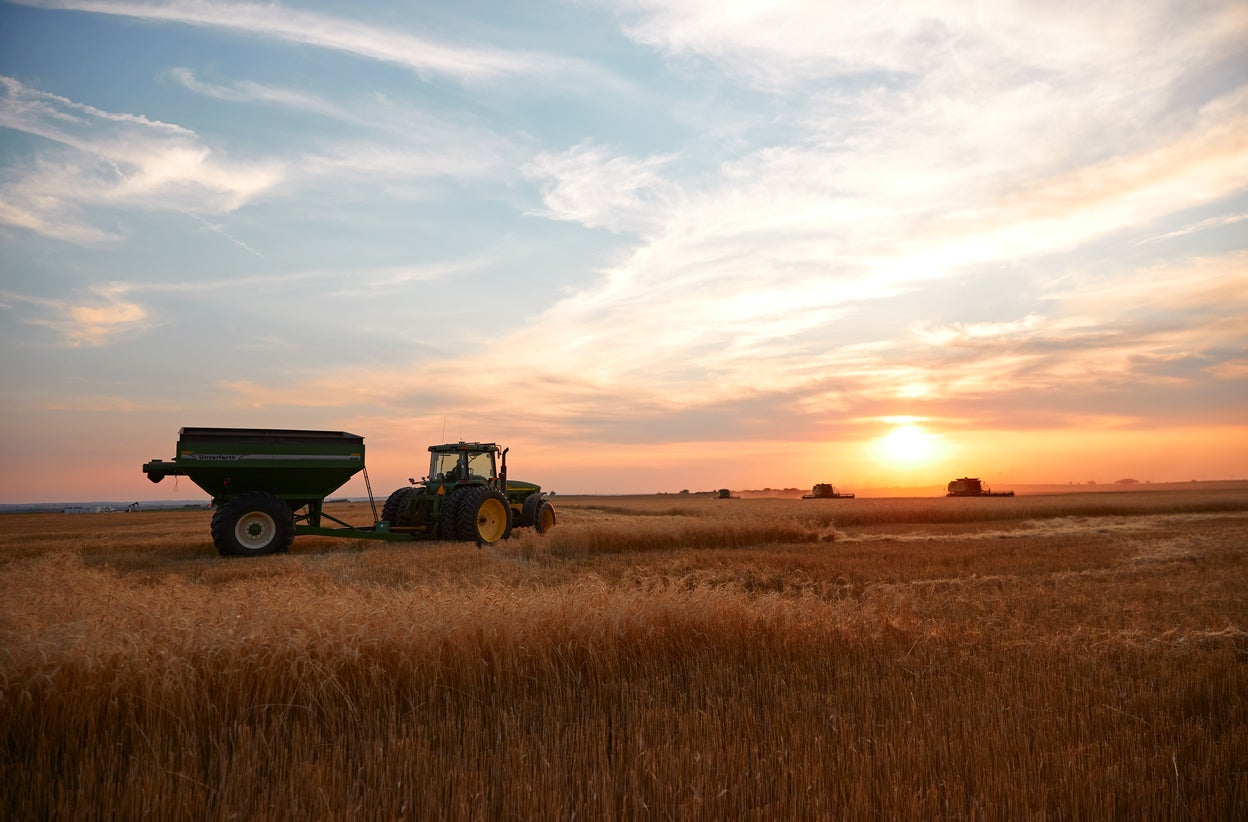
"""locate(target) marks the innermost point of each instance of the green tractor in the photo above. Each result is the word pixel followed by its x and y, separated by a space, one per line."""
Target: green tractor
pixel 467 496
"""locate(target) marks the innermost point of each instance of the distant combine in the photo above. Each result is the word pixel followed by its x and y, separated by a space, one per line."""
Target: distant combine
pixel 825 491
pixel 973 487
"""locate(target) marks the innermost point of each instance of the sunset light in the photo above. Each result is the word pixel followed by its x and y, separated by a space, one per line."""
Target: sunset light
pixel 909 445
pixel 648 246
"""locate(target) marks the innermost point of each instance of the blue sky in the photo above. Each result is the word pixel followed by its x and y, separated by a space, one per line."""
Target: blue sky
pixel 649 245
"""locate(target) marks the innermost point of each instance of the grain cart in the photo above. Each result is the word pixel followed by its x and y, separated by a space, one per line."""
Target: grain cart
pixel 973 487
pixel 825 491
pixel 267 485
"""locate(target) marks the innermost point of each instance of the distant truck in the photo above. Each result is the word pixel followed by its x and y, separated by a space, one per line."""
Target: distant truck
pixel 973 487
pixel 825 491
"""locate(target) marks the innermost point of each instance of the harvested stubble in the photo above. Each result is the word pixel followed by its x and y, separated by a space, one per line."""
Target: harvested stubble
pixel 753 671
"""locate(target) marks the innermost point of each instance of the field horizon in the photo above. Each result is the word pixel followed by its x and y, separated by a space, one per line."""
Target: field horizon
pixel 897 492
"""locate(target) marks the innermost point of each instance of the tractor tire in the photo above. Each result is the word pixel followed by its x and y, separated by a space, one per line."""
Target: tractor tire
pixel 484 516
pixel 545 518
pixel 253 524
pixel 395 509
pixel 528 512
pixel 448 520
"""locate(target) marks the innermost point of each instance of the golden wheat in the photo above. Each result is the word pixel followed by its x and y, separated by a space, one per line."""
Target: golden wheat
pixel 643 660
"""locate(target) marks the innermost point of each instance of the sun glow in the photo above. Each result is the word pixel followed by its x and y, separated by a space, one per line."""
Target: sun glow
pixel 908 445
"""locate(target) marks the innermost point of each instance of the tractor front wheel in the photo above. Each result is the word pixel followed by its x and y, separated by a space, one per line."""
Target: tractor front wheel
pixel 537 513
pixel 484 516
pixel 545 519
pixel 253 524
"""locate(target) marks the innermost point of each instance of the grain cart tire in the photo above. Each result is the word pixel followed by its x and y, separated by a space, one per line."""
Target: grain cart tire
pixel 253 524
pixel 484 516
pixel 545 518
pixel 528 512
pixel 448 519
pixel 395 509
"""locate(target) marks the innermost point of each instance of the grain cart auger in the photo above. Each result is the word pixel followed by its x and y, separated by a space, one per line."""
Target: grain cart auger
pixel 267 485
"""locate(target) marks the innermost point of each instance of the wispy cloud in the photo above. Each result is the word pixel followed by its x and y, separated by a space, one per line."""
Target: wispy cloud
pixel 427 56
pixel 248 91
pixel 590 185
pixel 397 142
pixel 1196 228
pixel 100 158
pixel 631 376
pixel 99 318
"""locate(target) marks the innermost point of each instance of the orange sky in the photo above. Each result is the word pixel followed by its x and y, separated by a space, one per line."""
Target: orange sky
pixel 920 456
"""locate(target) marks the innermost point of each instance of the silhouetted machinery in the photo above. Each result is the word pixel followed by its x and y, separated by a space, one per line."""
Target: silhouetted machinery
pixel 973 487
pixel 825 491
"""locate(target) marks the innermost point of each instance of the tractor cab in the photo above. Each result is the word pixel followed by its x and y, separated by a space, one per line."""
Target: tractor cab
pixel 463 462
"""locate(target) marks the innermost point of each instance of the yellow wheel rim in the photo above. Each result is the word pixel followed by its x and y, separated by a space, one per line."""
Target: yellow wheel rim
pixel 547 518
pixel 491 520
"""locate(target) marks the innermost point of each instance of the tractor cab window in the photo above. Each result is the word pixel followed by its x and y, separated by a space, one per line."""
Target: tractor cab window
pixel 481 465
pixel 447 466
pixel 444 466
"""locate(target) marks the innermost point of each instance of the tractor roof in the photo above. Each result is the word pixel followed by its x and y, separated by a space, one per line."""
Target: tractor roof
pixel 472 447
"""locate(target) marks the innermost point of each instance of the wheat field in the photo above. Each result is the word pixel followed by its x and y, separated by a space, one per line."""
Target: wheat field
pixel 668 657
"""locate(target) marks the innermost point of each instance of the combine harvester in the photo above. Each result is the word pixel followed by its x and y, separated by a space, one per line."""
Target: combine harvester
pixel 825 491
pixel 973 487
pixel 267 485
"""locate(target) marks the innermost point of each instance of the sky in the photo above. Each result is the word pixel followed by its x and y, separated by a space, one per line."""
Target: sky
pixel 649 245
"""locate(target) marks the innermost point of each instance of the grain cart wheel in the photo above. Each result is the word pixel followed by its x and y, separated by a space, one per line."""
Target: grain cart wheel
pixel 484 516
pixel 253 524
pixel 545 519
pixel 395 509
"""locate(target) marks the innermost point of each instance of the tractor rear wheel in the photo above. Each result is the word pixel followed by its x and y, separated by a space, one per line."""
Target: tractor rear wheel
pixel 395 509
pixel 253 524
pixel 484 516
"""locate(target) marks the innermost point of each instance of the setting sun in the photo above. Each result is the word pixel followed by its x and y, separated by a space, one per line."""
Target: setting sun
pixel 908 444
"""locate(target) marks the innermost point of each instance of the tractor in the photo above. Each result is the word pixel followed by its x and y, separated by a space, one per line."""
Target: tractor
pixel 467 496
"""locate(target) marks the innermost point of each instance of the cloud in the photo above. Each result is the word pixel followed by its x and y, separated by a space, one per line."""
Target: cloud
pixel 426 56
pixel 97 320
pixel 248 91
pixel 611 375
pixel 400 143
pixel 586 184
pixel 99 158
pixel 789 43
pixel 1196 228
pixel 1230 370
